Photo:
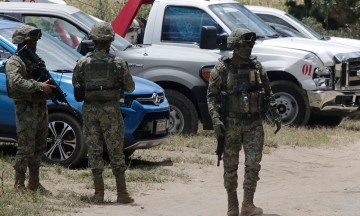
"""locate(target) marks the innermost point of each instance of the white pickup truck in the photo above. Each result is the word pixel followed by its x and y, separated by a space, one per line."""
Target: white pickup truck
pixel 313 81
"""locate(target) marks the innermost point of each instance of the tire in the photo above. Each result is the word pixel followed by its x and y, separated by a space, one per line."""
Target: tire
pixel 183 115
pixel 65 142
pixel 325 120
pixel 292 104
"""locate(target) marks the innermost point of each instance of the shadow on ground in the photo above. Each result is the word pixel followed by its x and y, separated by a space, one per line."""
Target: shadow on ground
pixel 140 164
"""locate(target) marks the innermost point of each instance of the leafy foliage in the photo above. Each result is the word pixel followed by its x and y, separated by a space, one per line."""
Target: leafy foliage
pixel 337 17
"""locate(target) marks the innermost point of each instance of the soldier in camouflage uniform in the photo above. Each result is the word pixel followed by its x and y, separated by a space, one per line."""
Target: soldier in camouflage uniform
pixel 245 83
pixel 104 78
pixel 30 108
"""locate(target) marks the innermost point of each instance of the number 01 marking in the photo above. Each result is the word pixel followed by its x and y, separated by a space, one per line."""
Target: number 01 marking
pixel 306 69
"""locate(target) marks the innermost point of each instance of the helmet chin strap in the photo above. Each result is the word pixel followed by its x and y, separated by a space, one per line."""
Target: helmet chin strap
pixel 102 45
pixel 239 59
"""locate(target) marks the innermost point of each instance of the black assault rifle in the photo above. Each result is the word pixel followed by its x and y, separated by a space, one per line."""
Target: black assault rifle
pixel 41 74
pixel 221 139
pixel 267 115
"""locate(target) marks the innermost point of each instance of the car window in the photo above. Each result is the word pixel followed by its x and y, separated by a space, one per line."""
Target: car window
pixel 56 56
pixel 274 19
pixel 308 28
pixel 59 28
pixel 235 15
pixel 10 18
pixel 184 24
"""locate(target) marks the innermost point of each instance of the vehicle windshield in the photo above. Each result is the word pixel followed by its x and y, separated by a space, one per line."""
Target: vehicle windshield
pixel 237 16
pixel 57 57
pixel 119 43
pixel 310 30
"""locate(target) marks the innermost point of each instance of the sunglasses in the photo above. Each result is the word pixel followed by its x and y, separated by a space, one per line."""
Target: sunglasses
pixel 35 34
pixel 248 37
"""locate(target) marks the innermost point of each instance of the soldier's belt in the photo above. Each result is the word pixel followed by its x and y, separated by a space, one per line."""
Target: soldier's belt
pixel 100 88
pixel 242 115
pixel 246 123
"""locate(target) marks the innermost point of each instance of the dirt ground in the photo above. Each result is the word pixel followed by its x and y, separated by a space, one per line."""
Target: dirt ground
pixel 294 182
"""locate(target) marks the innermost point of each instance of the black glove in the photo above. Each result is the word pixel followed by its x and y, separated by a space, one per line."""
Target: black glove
pixel 277 118
pixel 278 124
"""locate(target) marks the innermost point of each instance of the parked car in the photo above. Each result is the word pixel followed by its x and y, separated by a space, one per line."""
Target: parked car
pixel 273 15
pixel 179 71
pixel 145 111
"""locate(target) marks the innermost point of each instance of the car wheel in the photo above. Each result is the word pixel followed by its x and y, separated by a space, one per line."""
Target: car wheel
pixel 292 104
pixel 183 115
pixel 65 143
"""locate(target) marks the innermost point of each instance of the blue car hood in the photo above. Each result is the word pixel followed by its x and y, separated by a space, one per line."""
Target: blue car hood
pixel 142 86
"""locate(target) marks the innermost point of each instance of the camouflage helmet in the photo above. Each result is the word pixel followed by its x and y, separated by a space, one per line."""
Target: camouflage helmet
pixel 102 31
pixel 25 33
pixel 240 35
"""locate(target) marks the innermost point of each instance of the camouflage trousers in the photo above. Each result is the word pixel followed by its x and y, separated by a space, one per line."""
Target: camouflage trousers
pixel 103 126
pixel 248 134
pixel 32 129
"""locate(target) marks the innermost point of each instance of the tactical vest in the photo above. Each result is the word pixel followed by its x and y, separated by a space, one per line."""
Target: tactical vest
pixel 102 79
pixel 243 87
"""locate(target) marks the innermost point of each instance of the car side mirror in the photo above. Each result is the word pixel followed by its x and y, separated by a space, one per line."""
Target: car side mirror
pixel 86 46
pixel 208 37
pixel 222 41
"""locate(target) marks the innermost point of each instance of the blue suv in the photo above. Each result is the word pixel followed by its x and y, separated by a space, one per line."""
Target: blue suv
pixel 145 111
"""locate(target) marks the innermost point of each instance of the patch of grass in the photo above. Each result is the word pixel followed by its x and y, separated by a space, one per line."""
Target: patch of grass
pixel 158 175
pixel 194 159
pixel 203 143
pixel 346 132
pixel 14 202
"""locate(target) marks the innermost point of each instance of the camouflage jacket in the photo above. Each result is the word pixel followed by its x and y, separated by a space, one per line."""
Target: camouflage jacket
pixel 20 84
pixel 126 80
pixel 219 82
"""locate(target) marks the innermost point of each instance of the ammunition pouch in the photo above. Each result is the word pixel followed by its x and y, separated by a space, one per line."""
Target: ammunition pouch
pixel 79 92
pixel 246 102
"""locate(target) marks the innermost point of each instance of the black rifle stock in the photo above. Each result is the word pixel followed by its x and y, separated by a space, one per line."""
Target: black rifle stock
pixel 41 74
pixel 221 139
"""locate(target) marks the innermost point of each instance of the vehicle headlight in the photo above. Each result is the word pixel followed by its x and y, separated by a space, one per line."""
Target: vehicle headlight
pixel 205 72
pixel 322 77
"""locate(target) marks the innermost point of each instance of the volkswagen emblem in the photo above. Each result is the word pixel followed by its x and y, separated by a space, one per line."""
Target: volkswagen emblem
pixel 156 99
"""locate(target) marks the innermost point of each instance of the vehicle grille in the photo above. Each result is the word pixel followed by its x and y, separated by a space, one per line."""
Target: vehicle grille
pixel 347 75
pixel 146 99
